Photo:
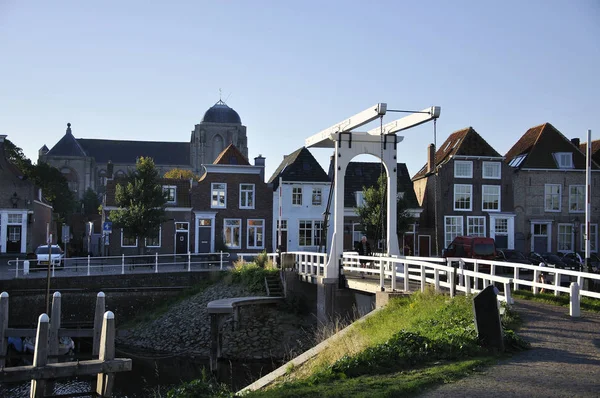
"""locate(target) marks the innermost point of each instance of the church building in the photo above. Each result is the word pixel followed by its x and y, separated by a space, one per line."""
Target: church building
pixel 88 163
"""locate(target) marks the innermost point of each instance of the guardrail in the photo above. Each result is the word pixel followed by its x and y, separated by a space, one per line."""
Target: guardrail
pixel 310 264
pixel 78 266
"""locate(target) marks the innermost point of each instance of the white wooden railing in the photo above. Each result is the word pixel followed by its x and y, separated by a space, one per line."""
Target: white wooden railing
pixel 310 264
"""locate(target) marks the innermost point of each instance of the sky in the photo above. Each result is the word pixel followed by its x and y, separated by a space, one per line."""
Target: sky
pixel 148 70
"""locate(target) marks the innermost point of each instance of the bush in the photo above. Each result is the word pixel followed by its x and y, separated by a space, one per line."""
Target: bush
pixel 206 386
pixel 251 276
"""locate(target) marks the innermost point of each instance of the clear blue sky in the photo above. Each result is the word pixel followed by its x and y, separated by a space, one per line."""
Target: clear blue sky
pixel 145 70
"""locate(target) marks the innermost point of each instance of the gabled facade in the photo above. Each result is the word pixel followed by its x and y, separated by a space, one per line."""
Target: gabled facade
pixel 595 150
pixel 548 172
pixel 300 190
pixel 472 187
pixel 24 214
pixel 173 235
pixel 232 206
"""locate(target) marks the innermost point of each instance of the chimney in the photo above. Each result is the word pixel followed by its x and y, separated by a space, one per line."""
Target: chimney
pixel 575 142
pixel 2 137
pixel 259 161
pixel 430 158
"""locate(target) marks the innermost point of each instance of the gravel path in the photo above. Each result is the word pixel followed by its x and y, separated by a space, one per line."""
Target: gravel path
pixel 564 360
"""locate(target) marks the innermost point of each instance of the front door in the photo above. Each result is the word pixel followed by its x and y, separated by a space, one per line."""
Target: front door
pixel 13 241
pixel 181 242
pixel 424 245
pixel 284 241
pixel 204 238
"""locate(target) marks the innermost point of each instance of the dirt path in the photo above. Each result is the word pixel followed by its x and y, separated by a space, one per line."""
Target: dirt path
pixel 564 360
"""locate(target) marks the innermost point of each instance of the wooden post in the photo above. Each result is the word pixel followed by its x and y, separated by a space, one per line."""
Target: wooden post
pixel 122 264
pixel 436 279
pixel 423 279
pixel 105 381
pixel 98 316
pixel 381 276
pixel 215 349
pixel 221 261
pixel 3 326
pixel 54 326
pixel 452 282
pixel 406 281
pixel 40 356
pixel 574 305
pixel 189 261
pixel 88 274
pixel 17 268
pixel 394 265
pixel 156 262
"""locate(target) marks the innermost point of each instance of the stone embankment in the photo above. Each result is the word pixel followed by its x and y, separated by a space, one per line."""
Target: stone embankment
pixel 264 332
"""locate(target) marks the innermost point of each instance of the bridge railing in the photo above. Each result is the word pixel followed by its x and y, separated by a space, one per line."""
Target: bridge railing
pixel 107 265
pixel 310 264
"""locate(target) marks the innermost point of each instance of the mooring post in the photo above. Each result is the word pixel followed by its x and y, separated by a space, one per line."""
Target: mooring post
pixel 88 265
pixel 215 349
pixel 40 355
pixel 221 261
pixel 122 264
pixel 54 326
pixel 17 268
pixel 156 263
pixel 3 326
pixel 98 316
pixel 105 381
pixel 574 308
pixel 189 261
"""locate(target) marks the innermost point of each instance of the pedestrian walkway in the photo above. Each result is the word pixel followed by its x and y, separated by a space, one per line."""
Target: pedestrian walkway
pixel 564 360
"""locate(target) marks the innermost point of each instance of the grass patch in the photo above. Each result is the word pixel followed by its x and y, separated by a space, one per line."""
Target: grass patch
pixel 252 275
pixel 587 303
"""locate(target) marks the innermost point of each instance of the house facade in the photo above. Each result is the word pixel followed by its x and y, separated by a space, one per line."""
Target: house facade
pixel 548 172
pixel 472 187
pixel 300 190
pixel 24 214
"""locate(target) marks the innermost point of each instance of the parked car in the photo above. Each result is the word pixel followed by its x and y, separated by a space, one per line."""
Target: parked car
pixel 573 260
pixel 553 261
pixel 594 261
pixel 513 256
pixel 41 253
pixel 536 258
pixel 471 247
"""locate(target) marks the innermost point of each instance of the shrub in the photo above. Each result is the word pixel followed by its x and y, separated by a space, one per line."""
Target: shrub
pixel 251 276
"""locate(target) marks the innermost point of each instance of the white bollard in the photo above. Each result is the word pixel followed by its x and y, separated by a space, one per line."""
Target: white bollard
pixel 122 264
pixel 189 261
pixel 17 268
pixel 88 274
pixel 574 309
pixel 156 263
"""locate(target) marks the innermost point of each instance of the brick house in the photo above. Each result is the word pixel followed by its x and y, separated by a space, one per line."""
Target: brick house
pixel 24 214
pixel 595 150
pixel 173 235
pixel 548 172
pixel 300 188
pixel 473 191
pixel 232 206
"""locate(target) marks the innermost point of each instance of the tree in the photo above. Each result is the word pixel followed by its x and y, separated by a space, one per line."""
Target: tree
pixel 373 212
pixel 15 155
pixel 90 202
pixel 181 174
pixel 141 202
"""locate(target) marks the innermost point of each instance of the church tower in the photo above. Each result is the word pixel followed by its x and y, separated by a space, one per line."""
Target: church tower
pixel 220 127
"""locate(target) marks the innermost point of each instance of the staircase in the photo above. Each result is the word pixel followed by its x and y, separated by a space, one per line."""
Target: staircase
pixel 273 286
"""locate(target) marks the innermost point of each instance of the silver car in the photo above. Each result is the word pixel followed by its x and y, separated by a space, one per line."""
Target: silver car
pixel 56 257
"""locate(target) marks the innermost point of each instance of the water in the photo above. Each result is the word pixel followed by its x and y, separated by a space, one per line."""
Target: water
pixel 153 377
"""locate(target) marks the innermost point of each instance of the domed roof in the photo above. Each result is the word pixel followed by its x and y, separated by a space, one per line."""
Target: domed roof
pixel 221 113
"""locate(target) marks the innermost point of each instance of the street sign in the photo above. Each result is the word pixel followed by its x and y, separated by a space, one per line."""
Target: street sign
pixel 107 227
pixel 66 233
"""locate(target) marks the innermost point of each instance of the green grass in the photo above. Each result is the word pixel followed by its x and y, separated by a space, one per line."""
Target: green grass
pixel 587 303
pixel 252 275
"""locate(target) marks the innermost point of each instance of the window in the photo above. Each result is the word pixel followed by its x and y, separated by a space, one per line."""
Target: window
pixel 283 224
pixel 232 232
pixel 516 162
pixel 577 198
pixel 453 227
pixel 317 195
pixel 219 195
pixel 170 193
pixel 154 239
pixel 593 238
pixel 476 226
pixel 500 232
pixel 491 170
pixel 565 237
pixel 246 196
pixel 128 239
pixel 462 197
pixel 360 199
pixel 310 232
pixel 297 196
pixel 501 226
pixel 540 229
pixel 463 169
pixel 490 197
pixel 14 234
pixel 256 230
pixel 564 160
pixel 552 197
pixel 15 218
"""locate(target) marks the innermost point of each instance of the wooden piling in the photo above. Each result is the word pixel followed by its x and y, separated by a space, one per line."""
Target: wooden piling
pixel 98 316
pixel 40 356
pixel 105 381
pixel 215 349
pixel 54 327
pixel 3 326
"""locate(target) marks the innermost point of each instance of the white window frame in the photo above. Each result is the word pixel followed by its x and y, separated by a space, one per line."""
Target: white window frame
pixel 467 163
pixel 215 204
pixel 564 160
pixel 470 197
pixel 469 225
pixel 168 188
pixel 284 224
pixel 593 238
pixel 317 193
pixel 449 237
pixel 122 245
pixel 484 194
pixel 546 193
pixel 490 166
pixel 233 227
pixel 256 229
pixel 17 219
pixel 360 198
pixel 244 192
pixel 315 232
pixel 159 238
pixel 562 235
pixel 573 199
pixel 297 196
